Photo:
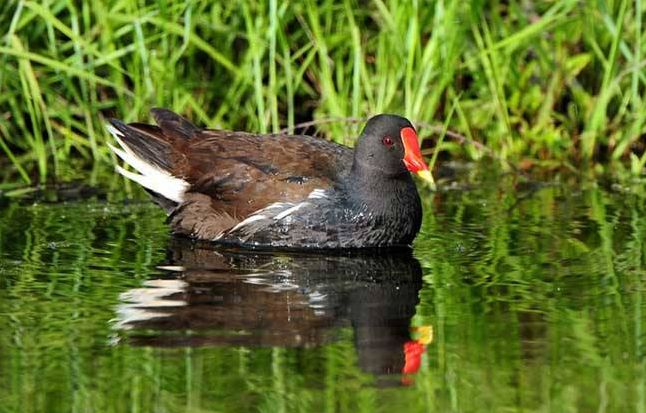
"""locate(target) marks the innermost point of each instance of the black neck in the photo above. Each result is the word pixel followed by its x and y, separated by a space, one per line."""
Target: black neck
pixel 379 190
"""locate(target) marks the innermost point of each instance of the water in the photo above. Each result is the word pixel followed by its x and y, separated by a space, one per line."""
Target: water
pixel 520 295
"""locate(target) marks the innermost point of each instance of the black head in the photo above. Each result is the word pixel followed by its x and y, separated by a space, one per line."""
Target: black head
pixel 388 146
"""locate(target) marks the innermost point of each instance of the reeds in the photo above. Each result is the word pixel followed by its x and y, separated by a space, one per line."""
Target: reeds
pixel 544 81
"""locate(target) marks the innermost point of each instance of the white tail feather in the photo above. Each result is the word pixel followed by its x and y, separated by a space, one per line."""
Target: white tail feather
pixel 150 176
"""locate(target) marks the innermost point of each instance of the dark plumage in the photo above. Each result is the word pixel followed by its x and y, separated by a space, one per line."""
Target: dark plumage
pixel 279 190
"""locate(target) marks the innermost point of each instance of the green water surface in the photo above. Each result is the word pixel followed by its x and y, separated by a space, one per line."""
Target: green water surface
pixel 521 295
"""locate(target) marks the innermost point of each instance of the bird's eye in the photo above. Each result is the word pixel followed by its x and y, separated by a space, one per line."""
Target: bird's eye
pixel 387 141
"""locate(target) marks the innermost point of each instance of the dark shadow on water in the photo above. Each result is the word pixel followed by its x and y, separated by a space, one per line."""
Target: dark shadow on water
pixel 229 297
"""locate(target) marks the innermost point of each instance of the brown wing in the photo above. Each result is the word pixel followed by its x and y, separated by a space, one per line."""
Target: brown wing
pixel 231 175
pixel 243 173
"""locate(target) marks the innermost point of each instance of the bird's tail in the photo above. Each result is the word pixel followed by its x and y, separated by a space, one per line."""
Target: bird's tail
pixel 148 150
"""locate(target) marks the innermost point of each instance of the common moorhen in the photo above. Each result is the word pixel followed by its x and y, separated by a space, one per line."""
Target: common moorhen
pixel 279 191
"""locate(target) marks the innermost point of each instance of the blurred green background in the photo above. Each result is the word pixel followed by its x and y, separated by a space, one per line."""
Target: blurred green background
pixel 535 82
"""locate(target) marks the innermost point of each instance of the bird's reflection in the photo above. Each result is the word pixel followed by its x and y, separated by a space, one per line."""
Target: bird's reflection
pixel 228 297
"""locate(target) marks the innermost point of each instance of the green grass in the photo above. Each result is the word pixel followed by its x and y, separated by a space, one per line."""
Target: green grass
pixel 550 82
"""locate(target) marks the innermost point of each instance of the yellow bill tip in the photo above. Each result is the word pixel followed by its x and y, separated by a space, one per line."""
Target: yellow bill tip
pixel 427 177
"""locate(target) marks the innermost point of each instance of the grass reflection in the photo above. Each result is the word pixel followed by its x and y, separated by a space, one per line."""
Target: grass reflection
pixel 534 293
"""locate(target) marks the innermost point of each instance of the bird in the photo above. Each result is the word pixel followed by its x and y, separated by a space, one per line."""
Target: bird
pixel 278 191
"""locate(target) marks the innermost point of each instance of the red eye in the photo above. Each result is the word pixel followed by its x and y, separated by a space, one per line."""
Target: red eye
pixel 387 140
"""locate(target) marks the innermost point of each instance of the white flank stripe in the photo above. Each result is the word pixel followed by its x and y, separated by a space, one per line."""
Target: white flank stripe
pixel 249 220
pixel 290 210
pixel 276 211
pixel 276 205
pixel 152 177
pixel 317 193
